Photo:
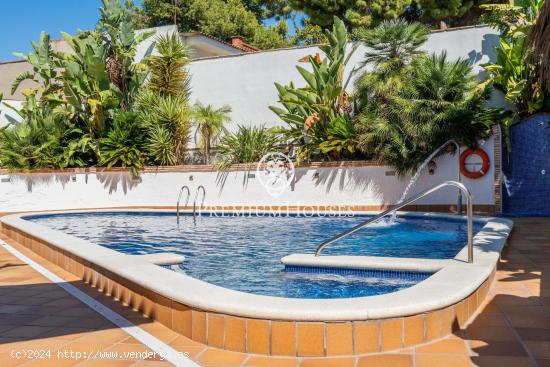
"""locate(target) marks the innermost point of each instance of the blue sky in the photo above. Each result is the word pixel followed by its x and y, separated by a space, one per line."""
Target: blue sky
pixel 23 20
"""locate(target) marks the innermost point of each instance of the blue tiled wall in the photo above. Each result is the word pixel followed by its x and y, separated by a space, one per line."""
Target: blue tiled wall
pixel 526 169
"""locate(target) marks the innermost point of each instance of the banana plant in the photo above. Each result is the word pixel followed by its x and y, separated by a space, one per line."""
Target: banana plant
pixel 118 35
pixel 514 72
pixel 86 84
pixel 45 73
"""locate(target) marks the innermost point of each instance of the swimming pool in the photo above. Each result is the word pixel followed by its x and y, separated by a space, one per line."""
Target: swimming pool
pixel 243 253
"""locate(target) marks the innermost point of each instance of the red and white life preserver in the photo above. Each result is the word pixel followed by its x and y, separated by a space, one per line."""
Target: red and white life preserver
pixel 484 165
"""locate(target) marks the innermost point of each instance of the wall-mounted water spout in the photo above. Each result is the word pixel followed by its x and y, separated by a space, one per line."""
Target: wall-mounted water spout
pixel 421 168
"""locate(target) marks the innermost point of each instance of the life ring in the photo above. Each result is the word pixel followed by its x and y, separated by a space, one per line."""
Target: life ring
pixel 484 165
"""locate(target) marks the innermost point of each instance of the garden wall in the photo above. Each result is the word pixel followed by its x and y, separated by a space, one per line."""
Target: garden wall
pixel 358 184
pixel 246 81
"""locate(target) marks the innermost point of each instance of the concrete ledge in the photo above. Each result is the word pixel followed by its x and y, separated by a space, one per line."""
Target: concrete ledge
pixel 163 258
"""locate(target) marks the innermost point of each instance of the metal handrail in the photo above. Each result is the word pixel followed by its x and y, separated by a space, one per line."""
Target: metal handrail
pixel 458 176
pixel 469 217
pixel 196 195
pixel 178 202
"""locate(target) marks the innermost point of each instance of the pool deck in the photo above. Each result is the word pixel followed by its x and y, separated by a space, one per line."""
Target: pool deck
pixel 512 329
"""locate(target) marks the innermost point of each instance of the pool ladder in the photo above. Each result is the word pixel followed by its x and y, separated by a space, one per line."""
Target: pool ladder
pixel 185 187
pixel 458 185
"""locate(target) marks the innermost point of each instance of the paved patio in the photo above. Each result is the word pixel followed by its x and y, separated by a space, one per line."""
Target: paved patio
pixel 513 328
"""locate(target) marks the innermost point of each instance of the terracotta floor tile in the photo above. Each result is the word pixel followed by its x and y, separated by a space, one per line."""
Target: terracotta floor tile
pixel 386 360
pixel 497 348
pixel 26 331
pixel 494 361
pixel 271 362
pixel 445 346
pixel 434 360
pixel 151 364
pixel 329 362
pixel 217 357
pixel 6 360
pixel 539 349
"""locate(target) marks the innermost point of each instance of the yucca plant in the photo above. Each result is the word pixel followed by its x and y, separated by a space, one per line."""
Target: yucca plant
pixel 246 145
pixel 168 73
pixel 209 122
pixel 172 114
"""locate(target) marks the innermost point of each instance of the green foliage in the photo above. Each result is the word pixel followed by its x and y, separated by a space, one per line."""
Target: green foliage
pixel 209 122
pixel 44 140
pixel 308 34
pixel 515 71
pixel 309 110
pixel 219 18
pixel 247 145
pixel 123 144
pixel 441 9
pixel 163 105
pixel 392 46
pixel 80 119
pixel 354 13
pixel 165 115
pixel 168 73
pixel 413 103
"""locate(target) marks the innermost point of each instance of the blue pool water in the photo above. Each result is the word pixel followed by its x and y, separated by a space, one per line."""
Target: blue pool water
pixel 243 253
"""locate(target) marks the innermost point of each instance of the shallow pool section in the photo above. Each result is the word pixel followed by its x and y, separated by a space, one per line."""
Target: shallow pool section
pixel 243 253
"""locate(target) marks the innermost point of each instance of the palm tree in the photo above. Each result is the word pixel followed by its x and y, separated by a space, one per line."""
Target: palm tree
pixel 392 47
pixel 209 121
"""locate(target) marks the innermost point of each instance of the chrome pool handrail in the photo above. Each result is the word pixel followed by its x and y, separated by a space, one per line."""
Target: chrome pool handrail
pixel 469 217
pixel 195 201
pixel 458 176
pixel 178 202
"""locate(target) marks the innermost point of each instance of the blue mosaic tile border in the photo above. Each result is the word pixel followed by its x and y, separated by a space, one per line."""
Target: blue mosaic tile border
pixel 367 273
pixel 526 169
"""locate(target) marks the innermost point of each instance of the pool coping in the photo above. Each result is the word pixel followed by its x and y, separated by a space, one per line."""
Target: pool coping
pixel 454 282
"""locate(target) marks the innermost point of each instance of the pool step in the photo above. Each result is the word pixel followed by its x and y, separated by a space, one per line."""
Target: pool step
pixel 367 263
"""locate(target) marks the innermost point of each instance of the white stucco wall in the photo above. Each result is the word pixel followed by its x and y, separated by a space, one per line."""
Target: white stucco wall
pixel 246 82
pixel 333 186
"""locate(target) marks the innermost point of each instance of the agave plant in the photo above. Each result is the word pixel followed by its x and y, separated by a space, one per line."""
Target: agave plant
pixel 308 110
pixel 209 121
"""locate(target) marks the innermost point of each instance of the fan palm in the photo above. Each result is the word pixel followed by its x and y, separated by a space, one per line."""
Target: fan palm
pixel 440 102
pixel 209 121
pixel 392 47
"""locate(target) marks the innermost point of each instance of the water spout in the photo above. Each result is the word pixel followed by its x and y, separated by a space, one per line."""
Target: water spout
pixel 419 171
